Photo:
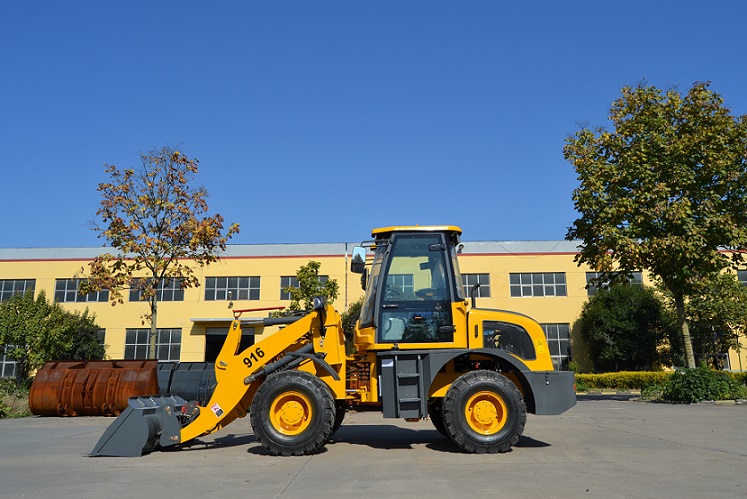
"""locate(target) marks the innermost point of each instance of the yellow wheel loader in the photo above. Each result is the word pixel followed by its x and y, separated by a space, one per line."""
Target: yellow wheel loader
pixel 422 350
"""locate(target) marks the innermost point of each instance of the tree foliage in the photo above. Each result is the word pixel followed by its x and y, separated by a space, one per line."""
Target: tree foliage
pixel 664 191
pixel 627 328
pixel 156 220
pixel 350 318
pixel 309 287
pixel 717 312
pixel 36 331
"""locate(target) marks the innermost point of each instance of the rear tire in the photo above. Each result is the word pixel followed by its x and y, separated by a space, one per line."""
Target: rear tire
pixel 484 412
pixel 292 414
pixel 436 415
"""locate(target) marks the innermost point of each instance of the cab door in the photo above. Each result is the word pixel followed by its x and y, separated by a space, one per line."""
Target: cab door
pixel 415 296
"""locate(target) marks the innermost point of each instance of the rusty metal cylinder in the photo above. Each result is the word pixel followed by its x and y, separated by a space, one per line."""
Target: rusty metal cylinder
pixel 91 388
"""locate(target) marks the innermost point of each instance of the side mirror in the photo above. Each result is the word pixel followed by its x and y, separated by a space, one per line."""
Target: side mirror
pixel 318 303
pixel 358 262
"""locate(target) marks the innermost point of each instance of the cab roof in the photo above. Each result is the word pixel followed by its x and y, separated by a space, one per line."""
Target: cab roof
pixel 416 228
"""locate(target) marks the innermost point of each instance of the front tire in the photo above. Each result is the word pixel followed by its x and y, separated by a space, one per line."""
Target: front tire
pixel 484 412
pixel 339 417
pixel 292 414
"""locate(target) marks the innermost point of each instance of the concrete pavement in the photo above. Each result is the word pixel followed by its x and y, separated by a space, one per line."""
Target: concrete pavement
pixel 603 447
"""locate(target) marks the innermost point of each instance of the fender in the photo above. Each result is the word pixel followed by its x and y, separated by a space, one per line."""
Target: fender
pixel 541 389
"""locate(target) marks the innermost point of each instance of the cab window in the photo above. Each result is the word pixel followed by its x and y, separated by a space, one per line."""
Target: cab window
pixel 510 337
pixel 415 300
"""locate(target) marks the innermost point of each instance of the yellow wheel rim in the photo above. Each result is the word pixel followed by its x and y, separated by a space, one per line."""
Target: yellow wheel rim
pixel 291 413
pixel 486 412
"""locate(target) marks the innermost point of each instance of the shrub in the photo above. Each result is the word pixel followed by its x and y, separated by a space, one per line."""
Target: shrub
pixel 740 377
pixel 627 328
pixel 581 385
pixel 626 380
pixel 702 383
pixel 694 385
pixel 653 391
pixel 14 402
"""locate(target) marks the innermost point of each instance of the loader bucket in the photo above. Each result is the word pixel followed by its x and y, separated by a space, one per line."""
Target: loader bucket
pixel 146 424
pixel 190 380
pixel 90 388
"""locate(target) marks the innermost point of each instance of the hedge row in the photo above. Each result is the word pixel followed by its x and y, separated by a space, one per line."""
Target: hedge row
pixel 633 380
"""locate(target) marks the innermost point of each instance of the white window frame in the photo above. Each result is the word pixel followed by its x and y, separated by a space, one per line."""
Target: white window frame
pixel 230 288
pixel 168 344
pixel 67 289
pixel 558 337
pixel 538 284
pixel 469 281
pixel 10 287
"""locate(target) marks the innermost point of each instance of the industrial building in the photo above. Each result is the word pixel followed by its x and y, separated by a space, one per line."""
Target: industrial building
pixel 536 278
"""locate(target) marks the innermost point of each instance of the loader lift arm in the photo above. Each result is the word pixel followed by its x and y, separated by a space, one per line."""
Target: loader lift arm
pixel 300 345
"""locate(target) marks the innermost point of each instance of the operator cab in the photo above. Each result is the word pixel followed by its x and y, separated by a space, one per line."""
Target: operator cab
pixel 413 282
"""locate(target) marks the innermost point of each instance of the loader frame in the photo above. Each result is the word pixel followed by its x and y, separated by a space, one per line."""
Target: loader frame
pixel 475 372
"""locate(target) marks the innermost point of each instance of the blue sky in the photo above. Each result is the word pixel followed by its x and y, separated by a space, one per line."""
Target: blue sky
pixel 318 121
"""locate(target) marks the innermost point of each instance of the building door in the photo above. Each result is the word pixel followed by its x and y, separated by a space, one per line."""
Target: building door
pixel 216 336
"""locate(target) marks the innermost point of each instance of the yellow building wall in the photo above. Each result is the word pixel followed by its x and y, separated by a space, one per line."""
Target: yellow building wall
pixel 117 319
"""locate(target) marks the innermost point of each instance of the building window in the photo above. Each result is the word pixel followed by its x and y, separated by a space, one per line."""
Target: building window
pixel 168 290
pixel 742 276
pixel 7 365
pixel 231 288
pixel 538 284
pixel 292 282
pixel 402 284
pixel 10 287
pixel 101 337
pixel 593 285
pixel 168 344
pixel 469 281
pixel 66 290
pixel 559 342
pixel 287 281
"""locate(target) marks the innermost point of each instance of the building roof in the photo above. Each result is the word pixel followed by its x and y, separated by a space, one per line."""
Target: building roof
pixel 299 250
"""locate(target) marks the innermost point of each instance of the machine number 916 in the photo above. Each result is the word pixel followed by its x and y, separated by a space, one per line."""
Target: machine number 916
pixel 253 357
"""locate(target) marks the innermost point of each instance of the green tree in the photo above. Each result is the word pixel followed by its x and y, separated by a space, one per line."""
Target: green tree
pixel 309 287
pixel 717 312
pixel 627 328
pixel 85 344
pixel 36 331
pixel 350 318
pixel 157 221
pixel 664 191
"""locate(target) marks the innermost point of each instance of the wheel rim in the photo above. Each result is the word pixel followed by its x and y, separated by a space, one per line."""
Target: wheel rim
pixel 486 412
pixel 291 413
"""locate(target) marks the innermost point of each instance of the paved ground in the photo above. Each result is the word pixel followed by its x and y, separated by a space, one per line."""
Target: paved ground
pixel 606 446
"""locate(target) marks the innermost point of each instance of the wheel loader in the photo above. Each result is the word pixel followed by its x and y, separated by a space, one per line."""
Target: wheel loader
pixel 422 349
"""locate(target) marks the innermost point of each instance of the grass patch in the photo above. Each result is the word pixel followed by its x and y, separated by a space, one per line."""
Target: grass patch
pixel 14 401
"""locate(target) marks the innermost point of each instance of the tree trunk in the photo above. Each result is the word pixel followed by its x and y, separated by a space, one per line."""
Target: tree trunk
pixel 153 335
pixel 20 372
pixel 679 302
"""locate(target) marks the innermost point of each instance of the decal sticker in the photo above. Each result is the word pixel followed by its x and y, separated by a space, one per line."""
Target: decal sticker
pixel 387 363
pixel 217 410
